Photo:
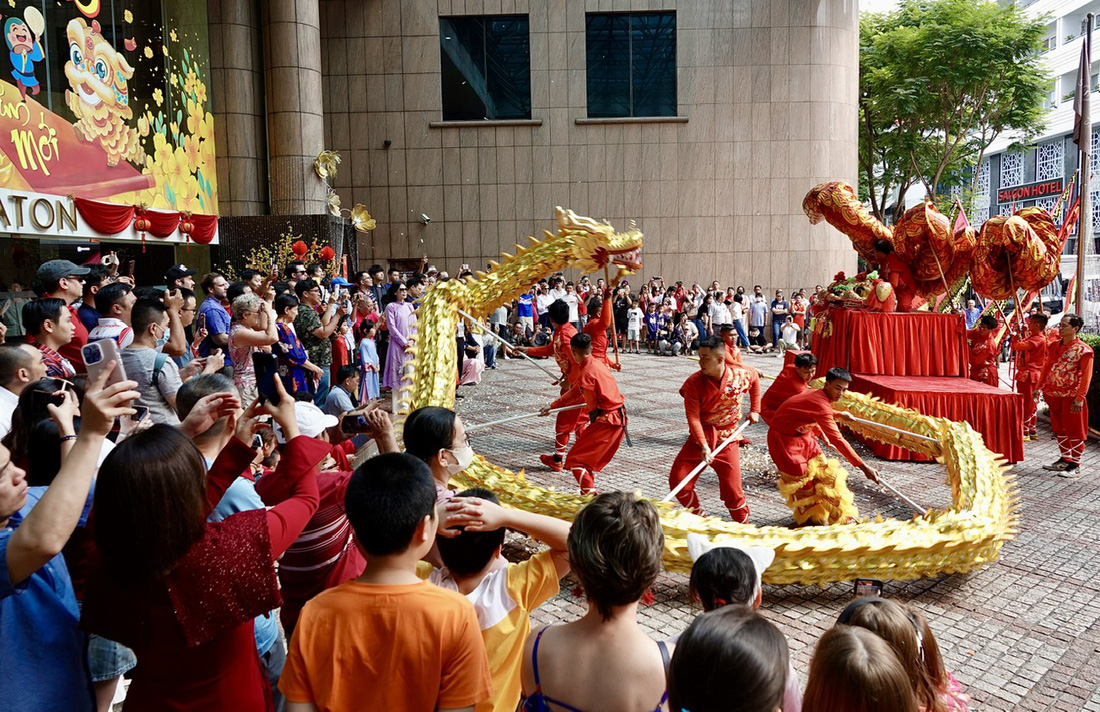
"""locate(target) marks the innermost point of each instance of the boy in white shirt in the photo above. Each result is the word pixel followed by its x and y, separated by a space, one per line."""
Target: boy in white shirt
pixel 634 318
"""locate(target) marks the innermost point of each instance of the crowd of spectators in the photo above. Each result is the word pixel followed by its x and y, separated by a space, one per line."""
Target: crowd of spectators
pixel 162 522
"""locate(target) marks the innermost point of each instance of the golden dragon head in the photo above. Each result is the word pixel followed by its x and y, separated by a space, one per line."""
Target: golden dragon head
pixel 596 245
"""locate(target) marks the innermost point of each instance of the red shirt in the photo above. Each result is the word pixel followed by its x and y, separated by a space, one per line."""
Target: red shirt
pixel 71 350
pixel 560 349
pixel 983 354
pixel 801 414
pixel 787 385
pixel 595 387
pixel 193 628
pixel 1031 357
pixel 597 330
pixel 733 356
pixel 712 405
pixel 1068 370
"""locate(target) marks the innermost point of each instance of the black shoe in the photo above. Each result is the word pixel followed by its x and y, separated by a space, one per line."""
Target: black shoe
pixel 1058 466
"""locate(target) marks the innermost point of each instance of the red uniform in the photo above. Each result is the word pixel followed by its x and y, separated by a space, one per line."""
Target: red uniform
pixel 600 440
pixel 983 356
pixel 597 330
pixel 733 355
pixel 787 384
pixel 898 274
pixel 1066 378
pixel 559 348
pixel 713 409
pixel 815 487
pixel 1031 356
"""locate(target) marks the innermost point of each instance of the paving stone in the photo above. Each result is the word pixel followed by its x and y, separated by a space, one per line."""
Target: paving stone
pixel 1020 634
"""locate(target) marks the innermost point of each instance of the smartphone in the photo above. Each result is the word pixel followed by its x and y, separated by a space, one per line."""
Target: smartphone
pixel 266 367
pixel 40 400
pixel 355 424
pixel 867 587
pixel 257 442
pixel 202 321
pixel 97 355
pixel 140 412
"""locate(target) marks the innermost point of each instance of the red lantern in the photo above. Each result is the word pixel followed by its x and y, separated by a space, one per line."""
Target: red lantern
pixel 187 226
pixel 327 253
pixel 141 224
pixel 299 248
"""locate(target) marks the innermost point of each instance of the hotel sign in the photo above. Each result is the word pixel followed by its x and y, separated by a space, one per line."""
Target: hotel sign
pixel 1031 191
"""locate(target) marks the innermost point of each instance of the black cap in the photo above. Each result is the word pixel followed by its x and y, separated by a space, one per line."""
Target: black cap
pixel 177 272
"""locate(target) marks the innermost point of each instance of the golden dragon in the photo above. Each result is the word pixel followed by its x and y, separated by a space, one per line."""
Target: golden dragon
pixel 966 535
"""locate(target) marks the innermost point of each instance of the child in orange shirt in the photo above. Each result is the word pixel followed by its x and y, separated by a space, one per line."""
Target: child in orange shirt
pixel 388 640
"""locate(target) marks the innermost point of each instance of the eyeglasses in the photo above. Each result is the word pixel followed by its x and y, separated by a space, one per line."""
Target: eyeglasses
pixel 75 278
pixel 465 443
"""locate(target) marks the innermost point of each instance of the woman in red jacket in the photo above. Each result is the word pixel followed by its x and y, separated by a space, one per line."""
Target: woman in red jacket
pixel 182 591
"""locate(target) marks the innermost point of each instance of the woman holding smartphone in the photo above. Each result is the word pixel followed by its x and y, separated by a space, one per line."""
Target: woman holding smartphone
pixel 253 329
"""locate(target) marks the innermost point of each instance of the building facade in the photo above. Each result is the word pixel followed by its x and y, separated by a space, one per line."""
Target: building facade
pixel 1010 177
pixel 462 123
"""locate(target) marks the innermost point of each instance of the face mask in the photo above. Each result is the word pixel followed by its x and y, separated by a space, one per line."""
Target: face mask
pixel 464 455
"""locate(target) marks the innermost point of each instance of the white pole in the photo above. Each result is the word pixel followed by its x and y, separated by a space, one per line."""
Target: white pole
pixel 507 345
pixel 911 503
pixel 1084 224
pixel 890 428
pixel 482 426
pixel 736 435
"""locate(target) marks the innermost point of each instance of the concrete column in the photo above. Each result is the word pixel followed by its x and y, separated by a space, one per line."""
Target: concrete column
pixel 295 116
pixel 237 74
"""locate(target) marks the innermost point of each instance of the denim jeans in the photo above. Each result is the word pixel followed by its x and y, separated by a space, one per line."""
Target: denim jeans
pixel 490 352
pixel 742 337
pixel 777 326
pixel 323 386
pixel 273 661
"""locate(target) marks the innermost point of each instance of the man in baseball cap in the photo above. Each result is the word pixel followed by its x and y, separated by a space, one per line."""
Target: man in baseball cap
pixel 180 277
pixel 62 279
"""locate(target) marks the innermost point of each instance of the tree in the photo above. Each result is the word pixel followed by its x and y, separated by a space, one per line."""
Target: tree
pixel 939 81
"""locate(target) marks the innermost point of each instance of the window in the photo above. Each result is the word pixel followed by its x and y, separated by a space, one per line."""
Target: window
pixel 981 196
pixel 631 64
pixel 1049 158
pixel 1012 169
pixel 485 67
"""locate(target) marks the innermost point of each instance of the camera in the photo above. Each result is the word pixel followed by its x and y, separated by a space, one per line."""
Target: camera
pixel 425 218
pixel 93 354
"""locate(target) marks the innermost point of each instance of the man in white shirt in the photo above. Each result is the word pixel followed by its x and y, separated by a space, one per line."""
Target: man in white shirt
pixel 114 303
pixel 570 297
pixel 20 365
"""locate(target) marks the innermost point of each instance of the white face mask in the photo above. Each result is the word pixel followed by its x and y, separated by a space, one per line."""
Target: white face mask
pixel 464 455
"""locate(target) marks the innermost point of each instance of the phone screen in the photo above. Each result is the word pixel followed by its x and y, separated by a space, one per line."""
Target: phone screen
pixel 266 367
pixel 867 587
pixel 140 412
pixel 202 321
pixel 355 424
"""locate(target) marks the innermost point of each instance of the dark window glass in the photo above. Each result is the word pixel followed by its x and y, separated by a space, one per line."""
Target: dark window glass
pixel 631 64
pixel 485 67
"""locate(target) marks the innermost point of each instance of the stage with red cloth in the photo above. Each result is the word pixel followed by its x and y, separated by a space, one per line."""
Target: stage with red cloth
pixel 891 344
pixel 993 412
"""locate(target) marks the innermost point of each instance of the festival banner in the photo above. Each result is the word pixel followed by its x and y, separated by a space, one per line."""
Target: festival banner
pixel 107 100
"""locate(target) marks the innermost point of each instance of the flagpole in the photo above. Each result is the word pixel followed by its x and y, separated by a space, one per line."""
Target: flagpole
pixel 1084 225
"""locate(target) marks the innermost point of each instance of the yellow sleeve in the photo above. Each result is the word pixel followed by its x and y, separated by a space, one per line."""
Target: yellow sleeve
pixel 533 582
pixel 424 570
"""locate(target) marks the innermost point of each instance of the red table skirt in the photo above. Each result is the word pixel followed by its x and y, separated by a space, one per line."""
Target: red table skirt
pixel 994 412
pixel 892 344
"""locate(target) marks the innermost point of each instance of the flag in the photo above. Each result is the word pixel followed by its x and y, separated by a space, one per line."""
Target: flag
pixel 1082 134
pixel 961 221
pixel 1071 293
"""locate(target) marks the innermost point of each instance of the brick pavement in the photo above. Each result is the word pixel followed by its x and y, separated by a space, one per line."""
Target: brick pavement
pixel 1021 634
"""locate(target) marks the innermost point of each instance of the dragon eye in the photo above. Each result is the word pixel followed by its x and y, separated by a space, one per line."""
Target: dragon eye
pixel 75 55
pixel 101 69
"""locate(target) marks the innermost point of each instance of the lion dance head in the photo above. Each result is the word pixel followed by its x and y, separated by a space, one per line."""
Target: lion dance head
pixel 98 77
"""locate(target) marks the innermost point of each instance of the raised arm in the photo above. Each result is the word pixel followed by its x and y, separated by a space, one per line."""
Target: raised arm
pixel 46 530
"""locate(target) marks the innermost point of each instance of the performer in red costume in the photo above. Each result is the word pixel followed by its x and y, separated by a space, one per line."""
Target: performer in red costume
pixel 1031 355
pixel 814 486
pixel 792 380
pixel 728 332
pixel 897 273
pixel 983 351
pixel 1064 382
pixel 599 321
pixel 596 388
pixel 712 403
pixel 558 347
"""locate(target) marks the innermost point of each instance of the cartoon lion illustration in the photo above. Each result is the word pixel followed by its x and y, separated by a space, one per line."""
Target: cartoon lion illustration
pixel 99 97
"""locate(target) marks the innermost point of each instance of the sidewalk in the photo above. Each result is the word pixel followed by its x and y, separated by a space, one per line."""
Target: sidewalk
pixel 1021 634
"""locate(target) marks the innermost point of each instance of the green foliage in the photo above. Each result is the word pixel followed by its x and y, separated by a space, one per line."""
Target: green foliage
pixel 1092 340
pixel 939 80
